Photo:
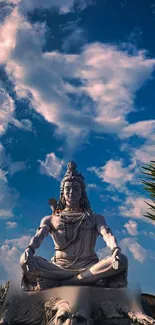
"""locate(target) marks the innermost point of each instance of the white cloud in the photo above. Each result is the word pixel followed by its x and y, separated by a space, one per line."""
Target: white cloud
pixel 9 167
pixel 6 110
pixel 111 79
pixel 16 166
pixel 76 39
pixel 149 234
pixel 145 129
pixel 8 199
pixel 24 124
pixel 8 32
pixel 113 173
pixel 6 213
pixel 92 185
pixel 3 175
pixel 131 227
pixel 20 242
pixel 11 224
pixel 7 113
pixel 144 154
pixel 103 252
pixel 152 235
pixel 108 79
pixel 52 165
pixel 10 253
pixel 139 253
pixel 8 195
pixel 135 207
pixel 64 6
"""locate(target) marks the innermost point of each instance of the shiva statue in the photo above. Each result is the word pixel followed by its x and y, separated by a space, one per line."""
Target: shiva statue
pixel 74 228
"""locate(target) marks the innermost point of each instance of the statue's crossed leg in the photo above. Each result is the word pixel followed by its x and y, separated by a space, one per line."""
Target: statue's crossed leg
pixel 36 267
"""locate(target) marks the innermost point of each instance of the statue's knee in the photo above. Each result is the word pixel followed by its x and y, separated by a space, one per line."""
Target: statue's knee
pixel 23 261
pixel 27 264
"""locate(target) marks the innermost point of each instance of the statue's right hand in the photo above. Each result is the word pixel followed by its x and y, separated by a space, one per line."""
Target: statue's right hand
pixel 29 253
pixel 29 259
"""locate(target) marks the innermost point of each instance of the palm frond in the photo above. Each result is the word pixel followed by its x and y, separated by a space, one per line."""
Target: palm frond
pixel 149 186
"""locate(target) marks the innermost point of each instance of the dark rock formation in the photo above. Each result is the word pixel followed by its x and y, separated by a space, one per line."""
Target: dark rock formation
pixel 72 306
pixel 148 304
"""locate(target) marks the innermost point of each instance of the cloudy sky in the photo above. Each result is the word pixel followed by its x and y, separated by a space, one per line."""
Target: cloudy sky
pixel 77 82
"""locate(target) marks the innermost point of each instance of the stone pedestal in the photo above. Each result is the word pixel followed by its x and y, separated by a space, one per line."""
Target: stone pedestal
pixel 72 305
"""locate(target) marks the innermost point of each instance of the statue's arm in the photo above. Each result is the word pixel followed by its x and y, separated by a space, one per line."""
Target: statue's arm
pixel 106 232
pixel 41 233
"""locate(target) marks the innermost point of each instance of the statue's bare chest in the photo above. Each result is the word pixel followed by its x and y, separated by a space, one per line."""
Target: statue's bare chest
pixel 69 228
pixel 60 222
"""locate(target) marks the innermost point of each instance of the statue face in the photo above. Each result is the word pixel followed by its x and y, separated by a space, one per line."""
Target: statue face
pixel 72 193
pixel 65 317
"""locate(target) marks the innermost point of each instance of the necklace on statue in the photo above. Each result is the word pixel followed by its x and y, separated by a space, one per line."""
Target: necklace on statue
pixel 66 220
pixel 73 210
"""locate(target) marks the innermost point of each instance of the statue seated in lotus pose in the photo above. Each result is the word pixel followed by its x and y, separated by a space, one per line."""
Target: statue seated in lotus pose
pixel 74 229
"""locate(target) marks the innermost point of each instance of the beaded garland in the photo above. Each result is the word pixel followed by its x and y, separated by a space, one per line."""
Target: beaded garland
pixel 66 220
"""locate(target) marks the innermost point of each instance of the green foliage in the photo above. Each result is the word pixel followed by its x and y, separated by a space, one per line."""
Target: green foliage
pixel 149 186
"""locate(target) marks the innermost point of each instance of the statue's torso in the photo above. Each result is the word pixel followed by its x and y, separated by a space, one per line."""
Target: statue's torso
pixel 74 235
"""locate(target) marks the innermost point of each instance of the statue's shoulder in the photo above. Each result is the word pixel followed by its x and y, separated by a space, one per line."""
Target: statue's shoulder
pixel 100 219
pixel 46 221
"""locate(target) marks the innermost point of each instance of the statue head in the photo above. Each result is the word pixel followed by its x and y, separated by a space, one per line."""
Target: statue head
pixel 59 312
pixel 72 189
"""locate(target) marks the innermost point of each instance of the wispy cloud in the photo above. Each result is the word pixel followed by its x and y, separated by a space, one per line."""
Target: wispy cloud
pixel 52 166
pixel 135 207
pixel 76 39
pixel 139 253
pixel 7 110
pixel 105 76
pixel 16 166
pixel 20 242
pixel 8 195
pixel 8 31
pixel 103 252
pixel 10 253
pixel 144 129
pixel 8 200
pixel 131 227
pixel 11 224
pixel 113 172
pixel 144 154
pixel 149 234
pixel 92 185
pixel 64 6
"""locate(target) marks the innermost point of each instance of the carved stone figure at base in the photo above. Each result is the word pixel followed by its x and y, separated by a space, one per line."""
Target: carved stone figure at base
pixel 74 229
pixel 72 306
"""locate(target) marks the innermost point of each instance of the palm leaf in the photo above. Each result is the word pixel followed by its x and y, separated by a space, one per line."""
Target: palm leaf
pixel 149 186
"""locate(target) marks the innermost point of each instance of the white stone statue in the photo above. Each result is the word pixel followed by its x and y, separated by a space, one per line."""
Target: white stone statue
pixel 74 229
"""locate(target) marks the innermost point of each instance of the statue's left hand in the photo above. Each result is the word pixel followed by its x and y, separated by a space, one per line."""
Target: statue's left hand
pixel 116 258
pixel 117 254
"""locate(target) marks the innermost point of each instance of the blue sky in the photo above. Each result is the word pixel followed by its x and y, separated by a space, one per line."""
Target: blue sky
pixel 77 82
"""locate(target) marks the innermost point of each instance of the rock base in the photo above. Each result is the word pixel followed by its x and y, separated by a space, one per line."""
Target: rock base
pixel 84 305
